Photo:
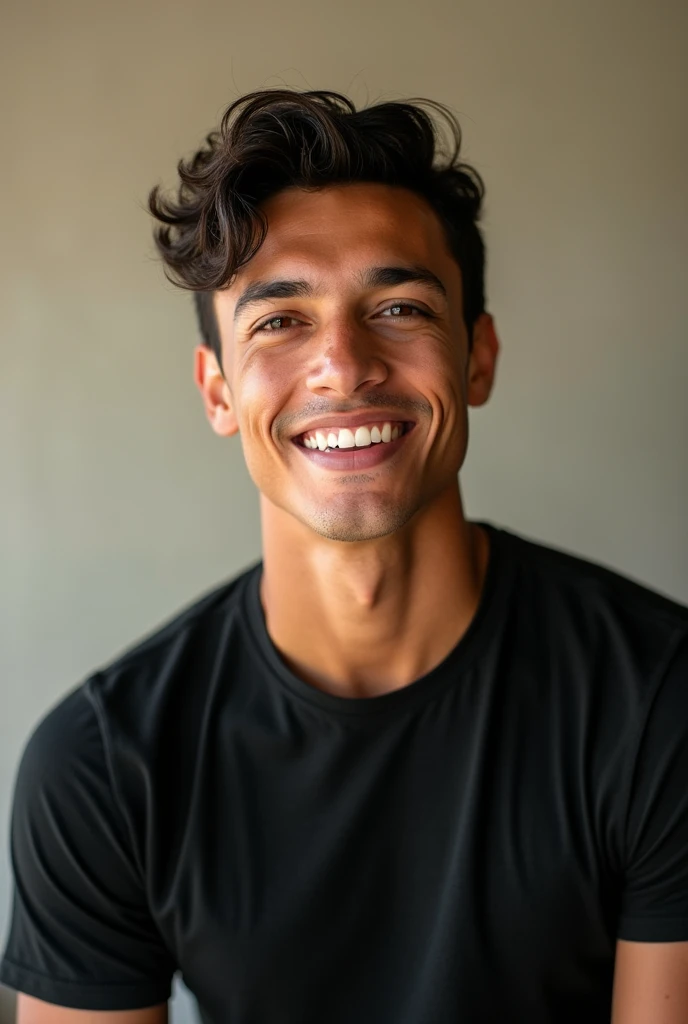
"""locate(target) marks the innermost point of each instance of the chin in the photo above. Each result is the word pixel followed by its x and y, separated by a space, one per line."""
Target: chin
pixel 358 524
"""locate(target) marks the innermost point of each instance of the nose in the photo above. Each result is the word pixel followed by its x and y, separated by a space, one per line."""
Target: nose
pixel 346 358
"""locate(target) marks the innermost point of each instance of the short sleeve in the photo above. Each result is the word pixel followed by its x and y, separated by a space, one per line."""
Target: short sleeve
pixel 81 933
pixel 655 893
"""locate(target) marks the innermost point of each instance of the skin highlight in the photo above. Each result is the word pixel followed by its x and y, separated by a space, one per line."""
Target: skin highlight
pixel 372 577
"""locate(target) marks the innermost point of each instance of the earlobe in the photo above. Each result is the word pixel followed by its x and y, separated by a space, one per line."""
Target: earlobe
pixel 217 399
pixel 482 361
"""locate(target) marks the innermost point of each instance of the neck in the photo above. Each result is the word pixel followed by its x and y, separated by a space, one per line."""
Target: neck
pixel 362 619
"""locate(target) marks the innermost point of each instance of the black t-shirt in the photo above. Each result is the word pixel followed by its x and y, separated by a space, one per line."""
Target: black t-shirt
pixel 465 849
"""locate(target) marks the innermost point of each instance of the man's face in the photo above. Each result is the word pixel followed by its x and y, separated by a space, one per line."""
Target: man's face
pixel 347 363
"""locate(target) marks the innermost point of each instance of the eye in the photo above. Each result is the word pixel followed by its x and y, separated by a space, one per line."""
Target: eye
pixel 275 324
pixel 395 311
pixel 398 311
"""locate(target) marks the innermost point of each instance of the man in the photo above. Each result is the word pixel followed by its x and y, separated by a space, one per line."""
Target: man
pixel 408 769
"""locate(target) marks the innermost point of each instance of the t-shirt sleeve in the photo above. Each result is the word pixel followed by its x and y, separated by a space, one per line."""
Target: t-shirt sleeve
pixel 81 932
pixel 655 894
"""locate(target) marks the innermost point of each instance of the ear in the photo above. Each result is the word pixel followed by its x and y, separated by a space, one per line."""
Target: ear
pixel 482 360
pixel 215 392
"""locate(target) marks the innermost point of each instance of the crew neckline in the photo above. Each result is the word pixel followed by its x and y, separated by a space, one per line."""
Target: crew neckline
pixel 425 687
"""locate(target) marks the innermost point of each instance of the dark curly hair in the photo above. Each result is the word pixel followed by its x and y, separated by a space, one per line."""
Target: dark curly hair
pixel 278 138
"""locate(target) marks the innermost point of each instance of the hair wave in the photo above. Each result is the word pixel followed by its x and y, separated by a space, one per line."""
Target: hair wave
pixel 273 139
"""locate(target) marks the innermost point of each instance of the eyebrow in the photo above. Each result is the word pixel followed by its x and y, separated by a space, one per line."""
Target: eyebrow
pixel 373 277
pixel 389 277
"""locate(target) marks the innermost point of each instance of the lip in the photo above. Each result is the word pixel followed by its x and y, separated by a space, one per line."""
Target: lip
pixel 352 459
pixel 352 421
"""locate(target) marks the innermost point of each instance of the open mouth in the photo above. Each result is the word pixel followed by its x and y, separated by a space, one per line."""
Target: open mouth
pixel 339 439
pixel 354 449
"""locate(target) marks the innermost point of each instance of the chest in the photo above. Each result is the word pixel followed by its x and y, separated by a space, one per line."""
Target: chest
pixel 389 869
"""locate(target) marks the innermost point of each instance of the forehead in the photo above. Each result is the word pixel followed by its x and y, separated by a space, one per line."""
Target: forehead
pixel 341 228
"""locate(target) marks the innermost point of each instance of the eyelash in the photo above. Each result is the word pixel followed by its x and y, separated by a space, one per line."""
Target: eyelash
pixel 278 330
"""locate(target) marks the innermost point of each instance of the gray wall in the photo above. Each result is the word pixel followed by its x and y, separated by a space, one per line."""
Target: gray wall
pixel 118 505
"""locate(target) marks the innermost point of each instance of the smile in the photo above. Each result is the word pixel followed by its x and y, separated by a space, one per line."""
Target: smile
pixel 330 438
pixel 344 448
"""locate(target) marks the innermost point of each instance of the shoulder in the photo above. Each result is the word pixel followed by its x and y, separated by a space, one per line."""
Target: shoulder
pixel 125 742
pixel 63 795
pixel 74 730
pixel 581 579
pixel 65 744
pixel 174 659
pixel 156 702
pixel 584 606
pixel 206 615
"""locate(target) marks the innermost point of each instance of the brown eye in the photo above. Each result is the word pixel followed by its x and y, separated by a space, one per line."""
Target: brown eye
pixel 275 323
pixel 405 310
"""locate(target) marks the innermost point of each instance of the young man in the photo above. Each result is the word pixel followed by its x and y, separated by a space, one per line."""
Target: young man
pixel 408 769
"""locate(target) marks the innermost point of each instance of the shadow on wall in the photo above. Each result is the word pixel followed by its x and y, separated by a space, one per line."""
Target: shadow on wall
pixel 7 1005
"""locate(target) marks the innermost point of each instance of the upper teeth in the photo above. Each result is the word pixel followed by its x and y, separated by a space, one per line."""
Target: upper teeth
pixel 361 437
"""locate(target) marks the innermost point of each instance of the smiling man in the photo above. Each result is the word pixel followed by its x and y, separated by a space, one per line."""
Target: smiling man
pixel 408 768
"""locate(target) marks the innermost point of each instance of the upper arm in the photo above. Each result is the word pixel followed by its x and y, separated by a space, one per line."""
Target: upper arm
pixel 34 1011
pixel 82 934
pixel 651 983
pixel 651 966
pixel 654 897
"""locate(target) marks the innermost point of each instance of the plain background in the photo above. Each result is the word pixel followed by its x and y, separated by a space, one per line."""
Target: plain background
pixel 118 504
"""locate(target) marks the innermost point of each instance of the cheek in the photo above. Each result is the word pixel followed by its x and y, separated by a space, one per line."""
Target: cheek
pixel 264 385
pixel 437 353
pixel 440 377
pixel 436 369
